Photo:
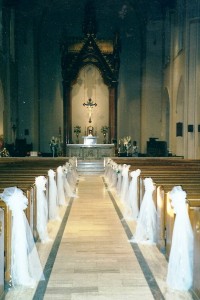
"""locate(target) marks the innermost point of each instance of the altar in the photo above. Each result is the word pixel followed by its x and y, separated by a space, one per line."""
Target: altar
pixel 92 151
pixel 89 140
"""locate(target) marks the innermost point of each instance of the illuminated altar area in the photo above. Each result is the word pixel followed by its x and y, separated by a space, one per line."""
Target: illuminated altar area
pixel 90 149
pixel 95 151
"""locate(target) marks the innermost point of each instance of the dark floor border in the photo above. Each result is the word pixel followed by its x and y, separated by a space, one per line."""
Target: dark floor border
pixel 155 290
pixel 42 285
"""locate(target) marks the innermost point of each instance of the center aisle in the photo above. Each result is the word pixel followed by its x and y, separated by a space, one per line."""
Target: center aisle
pixel 95 259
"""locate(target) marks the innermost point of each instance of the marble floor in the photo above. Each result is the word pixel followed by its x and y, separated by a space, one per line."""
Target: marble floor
pixel 90 256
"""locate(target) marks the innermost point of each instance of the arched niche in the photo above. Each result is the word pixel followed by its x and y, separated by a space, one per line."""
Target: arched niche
pixel 90 85
pixel 87 52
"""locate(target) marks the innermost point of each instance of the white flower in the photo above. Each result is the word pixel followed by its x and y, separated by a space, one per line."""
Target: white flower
pixel 126 140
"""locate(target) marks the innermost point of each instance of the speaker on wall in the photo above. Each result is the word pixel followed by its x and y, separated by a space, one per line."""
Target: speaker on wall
pixel 179 129
pixel 199 128
pixel 190 128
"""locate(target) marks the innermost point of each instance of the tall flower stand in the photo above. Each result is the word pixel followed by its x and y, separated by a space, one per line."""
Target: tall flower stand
pixel 77 138
pixel 54 151
pixel 104 138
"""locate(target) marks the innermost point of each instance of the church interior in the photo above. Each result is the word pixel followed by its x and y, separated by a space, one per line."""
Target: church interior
pixel 99 149
pixel 141 71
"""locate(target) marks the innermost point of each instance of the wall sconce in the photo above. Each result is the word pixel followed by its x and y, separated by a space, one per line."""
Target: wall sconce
pixel 190 128
pixel 179 129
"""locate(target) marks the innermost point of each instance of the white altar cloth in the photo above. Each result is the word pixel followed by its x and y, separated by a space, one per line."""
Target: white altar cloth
pixel 89 140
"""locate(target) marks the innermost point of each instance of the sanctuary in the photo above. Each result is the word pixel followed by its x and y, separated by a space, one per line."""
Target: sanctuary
pixel 90 149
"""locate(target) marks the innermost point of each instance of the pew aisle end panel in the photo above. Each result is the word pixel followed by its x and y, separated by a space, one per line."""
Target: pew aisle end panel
pixel 31 211
pixel 160 207
pixel 1 253
pixel 7 241
pixel 29 190
pixel 169 223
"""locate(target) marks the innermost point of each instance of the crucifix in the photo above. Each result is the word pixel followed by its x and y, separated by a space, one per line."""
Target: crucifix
pixel 90 104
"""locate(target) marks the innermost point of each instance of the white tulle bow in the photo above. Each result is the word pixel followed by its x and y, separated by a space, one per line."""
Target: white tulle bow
pixel 26 268
pixel 180 266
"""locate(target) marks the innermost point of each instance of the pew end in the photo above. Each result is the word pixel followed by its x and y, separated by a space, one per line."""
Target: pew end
pixel 169 223
pixel 7 242
pixel 160 206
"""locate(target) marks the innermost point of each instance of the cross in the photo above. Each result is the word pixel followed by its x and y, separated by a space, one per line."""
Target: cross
pixel 90 104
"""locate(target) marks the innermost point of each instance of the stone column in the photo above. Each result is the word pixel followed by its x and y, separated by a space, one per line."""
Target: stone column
pixel 112 113
pixel 67 116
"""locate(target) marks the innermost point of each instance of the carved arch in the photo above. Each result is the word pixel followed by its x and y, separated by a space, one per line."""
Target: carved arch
pixel 75 55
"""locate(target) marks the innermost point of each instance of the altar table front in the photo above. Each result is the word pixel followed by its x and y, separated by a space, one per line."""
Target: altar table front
pixel 97 151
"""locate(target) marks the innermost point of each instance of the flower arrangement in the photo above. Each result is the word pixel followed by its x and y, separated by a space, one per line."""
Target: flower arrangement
pixel 54 143
pixel 77 129
pixel 104 129
pixel 126 141
pixel 4 153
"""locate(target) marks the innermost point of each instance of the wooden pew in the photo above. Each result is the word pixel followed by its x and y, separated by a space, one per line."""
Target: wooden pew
pixel 7 241
pixel 1 253
pixel 167 174
pixel 22 173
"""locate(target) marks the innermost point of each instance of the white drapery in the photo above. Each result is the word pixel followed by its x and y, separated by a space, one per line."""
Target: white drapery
pixel 42 209
pixel 180 266
pixel 146 229
pixel 26 269
pixel 53 197
pixel 60 186
pixel 125 182
pixel 132 198
pixel 67 188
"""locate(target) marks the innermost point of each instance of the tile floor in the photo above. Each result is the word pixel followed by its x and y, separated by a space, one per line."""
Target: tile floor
pixel 91 258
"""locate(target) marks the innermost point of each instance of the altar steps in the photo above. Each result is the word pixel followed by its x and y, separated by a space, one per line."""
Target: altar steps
pixel 90 166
